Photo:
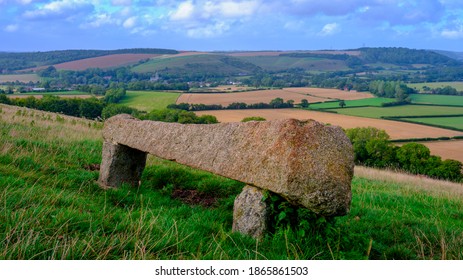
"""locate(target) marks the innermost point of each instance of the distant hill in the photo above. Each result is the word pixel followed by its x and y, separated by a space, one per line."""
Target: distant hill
pixel 453 55
pixel 11 61
pixel 396 63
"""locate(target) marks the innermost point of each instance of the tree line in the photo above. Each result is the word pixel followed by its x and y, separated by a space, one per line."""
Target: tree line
pixel 100 109
pixel 373 148
pixel 276 103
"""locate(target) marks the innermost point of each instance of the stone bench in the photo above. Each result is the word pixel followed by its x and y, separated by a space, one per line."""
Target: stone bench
pixel 309 164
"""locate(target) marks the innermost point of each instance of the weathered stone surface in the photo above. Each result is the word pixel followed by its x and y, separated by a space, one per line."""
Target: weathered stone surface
pixel 306 162
pixel 250 212
pixel 120 164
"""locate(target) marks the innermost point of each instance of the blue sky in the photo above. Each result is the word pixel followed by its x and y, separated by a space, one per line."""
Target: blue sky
pixel 206 25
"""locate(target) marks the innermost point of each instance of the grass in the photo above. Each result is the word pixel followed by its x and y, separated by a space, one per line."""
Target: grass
pixel 407 110
pixel 454 122
pixel 51 208
pixel 199 63
pixel 419 86
pixel 25 78
pixel 149 100
pixel 276 63
pixel 437 99
pixel 374 102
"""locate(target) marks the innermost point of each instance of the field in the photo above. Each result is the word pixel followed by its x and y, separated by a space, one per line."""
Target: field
pixel 52 208
pixel 419 86
pixel 454 122
pixel 373 102
pixel 250 97
pixel 24 78
pixel 397 130
pixel 407 110
pixel 446 149
pixel 149 100
pixel 107 61
pixel 188 61
pixel 276 63
pixel 330 93
pixel 437 99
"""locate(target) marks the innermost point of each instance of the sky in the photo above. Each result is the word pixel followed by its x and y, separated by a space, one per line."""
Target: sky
pixel 210 25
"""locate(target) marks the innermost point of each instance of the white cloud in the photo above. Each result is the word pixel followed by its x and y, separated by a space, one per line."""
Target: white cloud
pixel 294 25
pixel 208 31
pixel 130 22
pixel 121 2
pixel 233 9
pixel 184 11
pixel 59 9
pixel 453 33
pixel 11 28
pixel 329 29
pixel 100 20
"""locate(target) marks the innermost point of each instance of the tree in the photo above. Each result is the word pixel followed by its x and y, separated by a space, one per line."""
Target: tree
pixel 451 170
pixel 342 104
pixel 115 109
pixel 277 102
pixel 304 103
pixel 371 145
pixel 413 157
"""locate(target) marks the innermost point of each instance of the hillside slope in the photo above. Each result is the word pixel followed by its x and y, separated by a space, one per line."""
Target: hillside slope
pixel 52 208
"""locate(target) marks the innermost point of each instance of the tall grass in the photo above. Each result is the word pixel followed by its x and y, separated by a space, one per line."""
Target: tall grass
pixel 52 208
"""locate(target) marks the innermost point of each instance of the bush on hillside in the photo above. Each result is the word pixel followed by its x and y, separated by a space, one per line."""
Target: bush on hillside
pixel 180 116
pixel 373 148
pixel 116 109
pixel 257 119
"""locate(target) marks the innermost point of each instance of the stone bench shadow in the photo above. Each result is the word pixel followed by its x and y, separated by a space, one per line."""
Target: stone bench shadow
pixel 309 164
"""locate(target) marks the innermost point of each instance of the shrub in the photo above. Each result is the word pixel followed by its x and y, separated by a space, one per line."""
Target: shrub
pixel 258 119
pixel 115 109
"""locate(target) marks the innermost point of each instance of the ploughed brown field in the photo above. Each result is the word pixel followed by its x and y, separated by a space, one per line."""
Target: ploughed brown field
pixel 251 97
pixel 446 149
pixel 397 130
pixel 107 61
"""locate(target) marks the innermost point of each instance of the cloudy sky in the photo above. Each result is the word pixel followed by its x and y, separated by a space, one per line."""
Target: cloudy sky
pixel 39 25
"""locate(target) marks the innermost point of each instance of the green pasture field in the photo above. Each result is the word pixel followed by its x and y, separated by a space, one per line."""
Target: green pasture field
pixel 285 62
pixel 437 99
pixel 52 208
pixel 456 122
pixel 407 110
pixel 375 102
pixel 25 78
pixel 200 62
pixel 149 100
pixel 419 86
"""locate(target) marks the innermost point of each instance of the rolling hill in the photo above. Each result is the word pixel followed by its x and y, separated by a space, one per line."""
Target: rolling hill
pixel 52 207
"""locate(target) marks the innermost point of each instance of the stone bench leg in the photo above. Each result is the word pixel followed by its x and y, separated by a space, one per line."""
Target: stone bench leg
pixel 250 212
pixel 121 164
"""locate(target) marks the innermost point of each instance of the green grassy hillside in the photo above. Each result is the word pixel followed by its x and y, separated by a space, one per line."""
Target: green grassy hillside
pixel 149 100
pixel 212 64
pixel 52 208
pixel 278 63
pixel 407 110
